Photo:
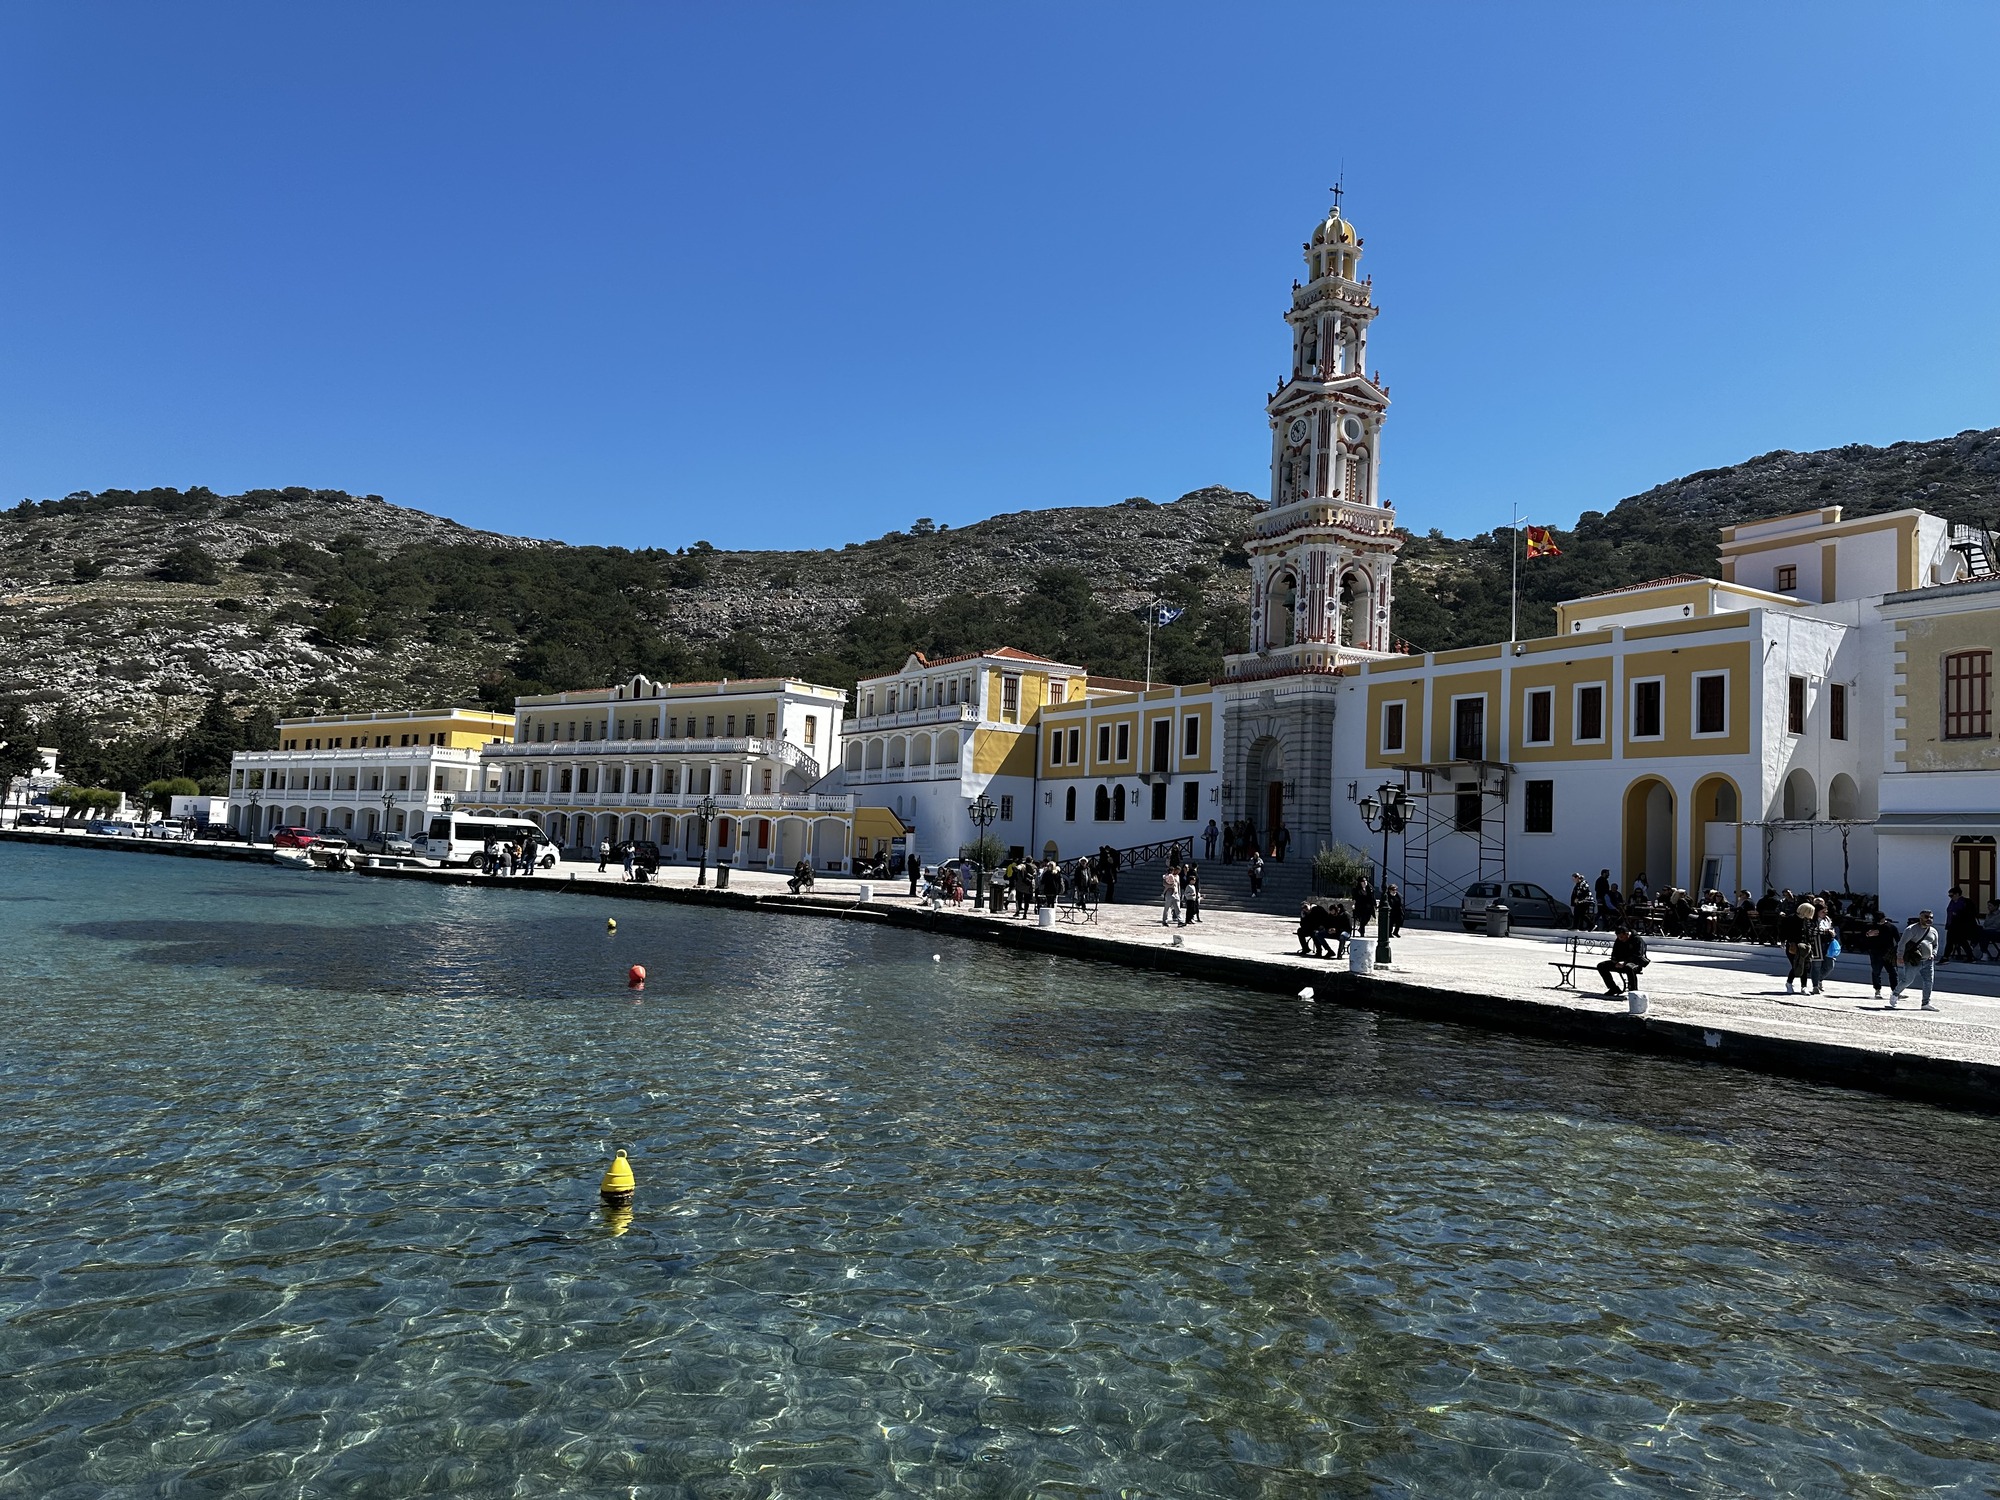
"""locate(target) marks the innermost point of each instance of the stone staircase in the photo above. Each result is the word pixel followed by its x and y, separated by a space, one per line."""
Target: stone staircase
pixel 1227 887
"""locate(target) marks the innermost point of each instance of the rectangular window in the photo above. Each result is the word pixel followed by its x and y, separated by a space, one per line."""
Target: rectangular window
pixel 728 780
pixel 1010 699
pixel 1163 744
pixel 1191 735
pixel 1124 742
pixel 812 729
pixel 1159 809
pixel 708 721
pixel 1648 709
pixel 1392 727
pixel 1075 745
pixel 1711 703
pixel 1836 711
pixel 1539 816
pixel 1786 580
pixel 1968 695
pixel 1104 742
pixel 1795 705
pixel 1006 808
pixel 1541 716
pixel 1056 748
pixel 729 727
pixel 621 731
pixel 1468 811
pixel 1190 801
pixel 1590 714
pixel 1056 686
pixel 1468 728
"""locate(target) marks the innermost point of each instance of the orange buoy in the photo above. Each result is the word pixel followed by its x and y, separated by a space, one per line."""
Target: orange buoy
pixel 636 975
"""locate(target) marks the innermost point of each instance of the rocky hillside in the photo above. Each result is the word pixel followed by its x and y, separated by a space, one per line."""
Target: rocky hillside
pixel 134 608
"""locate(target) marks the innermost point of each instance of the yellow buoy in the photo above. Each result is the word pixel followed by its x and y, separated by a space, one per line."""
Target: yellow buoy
pixel 610 924
pixel 618 1185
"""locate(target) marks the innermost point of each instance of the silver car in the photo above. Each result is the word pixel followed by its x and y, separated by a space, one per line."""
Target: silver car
pixel 1528 905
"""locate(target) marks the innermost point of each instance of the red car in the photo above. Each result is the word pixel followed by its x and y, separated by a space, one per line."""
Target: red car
pixel 292 838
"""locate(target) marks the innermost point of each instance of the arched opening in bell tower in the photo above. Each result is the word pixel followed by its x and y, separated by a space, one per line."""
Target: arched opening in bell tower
pixel 1283 612
pixel 1356 617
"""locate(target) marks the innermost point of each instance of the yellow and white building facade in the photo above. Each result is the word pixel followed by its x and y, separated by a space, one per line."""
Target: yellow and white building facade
pixel 360 774
pixel 639 760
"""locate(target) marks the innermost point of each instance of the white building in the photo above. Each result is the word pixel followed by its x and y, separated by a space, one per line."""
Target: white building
pixel 31 789
pixel 638 760
pixel 359 774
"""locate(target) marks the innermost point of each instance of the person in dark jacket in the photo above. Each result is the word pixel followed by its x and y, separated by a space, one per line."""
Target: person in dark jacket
pixel 1880 940
pixel 1364 905
pixel 1628 957
pixel 1582 904
pixel 1392 910
pixel 1603 890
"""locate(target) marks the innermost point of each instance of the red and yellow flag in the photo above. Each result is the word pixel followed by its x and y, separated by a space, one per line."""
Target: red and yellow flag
pixel 1542 542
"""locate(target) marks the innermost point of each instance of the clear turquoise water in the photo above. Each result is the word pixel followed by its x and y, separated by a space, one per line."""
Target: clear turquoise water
pixel 298 1197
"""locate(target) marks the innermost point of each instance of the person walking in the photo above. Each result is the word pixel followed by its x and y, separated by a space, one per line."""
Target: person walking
pixel 1208 837
pixel 1191 896
pixel 1364 905
pixel 1628 957
pixel 914 868
pixel 1170 898
pixel 1795 931
pixel 603 854
pixel 1920 953
pixel 1603 891
pixel 1392 910
pixel 1826 942
pixel 1256 868
pixel 1282 841
pixel 1880 941
pixel 1961 927
pixel 631 860
pixel 1582 904
pixel 1022 884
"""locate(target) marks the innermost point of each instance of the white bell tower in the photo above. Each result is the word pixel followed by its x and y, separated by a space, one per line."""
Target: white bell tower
pixel 1322 555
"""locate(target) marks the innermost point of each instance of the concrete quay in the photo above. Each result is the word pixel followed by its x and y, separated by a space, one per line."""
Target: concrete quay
pixel 1713 1003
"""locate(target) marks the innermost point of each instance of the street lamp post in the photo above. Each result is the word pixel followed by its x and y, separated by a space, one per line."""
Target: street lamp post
pixel 706 812
pixel 1390 815
pixel 253 797
pixel 982 812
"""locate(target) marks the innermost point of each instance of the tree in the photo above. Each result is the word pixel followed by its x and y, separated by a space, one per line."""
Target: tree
pixel 161 793
pixel 82 800
pixel 17 744
pixel 187 563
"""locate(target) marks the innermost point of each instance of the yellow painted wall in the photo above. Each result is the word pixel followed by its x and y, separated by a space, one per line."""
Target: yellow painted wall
pixel 1925 642
pixel 1679 668
pixel 1003 752
pixel 1562 678
pixel 1410 693
pixel 463 731
pixel 1449 685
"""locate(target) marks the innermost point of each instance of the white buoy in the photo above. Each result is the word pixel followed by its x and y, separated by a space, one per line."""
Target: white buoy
pixel 1306 994
pixel 937 958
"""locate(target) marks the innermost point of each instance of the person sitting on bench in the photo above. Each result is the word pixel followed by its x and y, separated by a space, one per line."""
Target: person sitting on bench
pixel 802 877
pixel 1628 957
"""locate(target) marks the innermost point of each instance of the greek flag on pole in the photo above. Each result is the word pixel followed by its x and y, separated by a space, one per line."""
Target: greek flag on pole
pixel 1167 615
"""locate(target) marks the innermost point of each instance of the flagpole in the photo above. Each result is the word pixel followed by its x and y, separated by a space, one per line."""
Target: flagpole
pixel 1152 613
pixel 1514 591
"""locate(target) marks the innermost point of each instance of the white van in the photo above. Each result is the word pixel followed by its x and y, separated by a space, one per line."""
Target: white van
pixel 461 838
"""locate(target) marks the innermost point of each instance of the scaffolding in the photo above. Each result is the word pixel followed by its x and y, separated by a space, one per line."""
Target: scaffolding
pixel 1448 800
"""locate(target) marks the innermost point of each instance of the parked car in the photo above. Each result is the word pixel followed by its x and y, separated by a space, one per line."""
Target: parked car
pixel 111 828
pixel 386 843
pixel 1528 905
pixel 222 833
pixel 32 819
pixel 292 838
pixel 168 828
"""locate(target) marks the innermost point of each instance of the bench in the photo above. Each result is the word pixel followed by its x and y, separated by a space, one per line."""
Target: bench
pixel 1584 950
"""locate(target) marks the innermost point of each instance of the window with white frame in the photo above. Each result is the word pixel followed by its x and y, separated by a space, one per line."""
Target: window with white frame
pixel 1191 735
pixel 1395 714
pixel 1648 712
pixel 1103 742
pixel 1711 705
pixel 1124 742
pixel 1468 727
pixel 1589 722
pixel 1538 813
pixel 1539 727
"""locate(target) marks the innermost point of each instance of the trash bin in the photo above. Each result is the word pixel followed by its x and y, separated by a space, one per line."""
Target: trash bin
pixel 1496 920
pixel 1360 958
pixel 867 893
pixel 722 877
pixel 1045 916
pixel 1635 1002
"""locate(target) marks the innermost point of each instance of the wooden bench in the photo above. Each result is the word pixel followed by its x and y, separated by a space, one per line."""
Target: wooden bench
pixel 1585 950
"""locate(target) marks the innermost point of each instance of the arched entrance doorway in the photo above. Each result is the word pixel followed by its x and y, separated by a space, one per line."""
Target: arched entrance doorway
pixel 1718 848
pixel 1649 833
pixel 1265 777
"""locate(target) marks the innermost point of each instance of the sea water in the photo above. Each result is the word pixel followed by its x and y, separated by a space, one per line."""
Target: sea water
pixel 298 1197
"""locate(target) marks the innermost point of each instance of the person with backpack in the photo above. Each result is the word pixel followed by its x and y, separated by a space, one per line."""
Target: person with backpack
pixel 1920 951
pixel 1880 941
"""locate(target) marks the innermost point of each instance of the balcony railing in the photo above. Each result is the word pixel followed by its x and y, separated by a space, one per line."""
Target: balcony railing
pixel 668 801
pixel 947 770
pixel 754 746
pixel 946 713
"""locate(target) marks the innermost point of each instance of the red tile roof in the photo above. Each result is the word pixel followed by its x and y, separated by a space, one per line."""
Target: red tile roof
pixel 1006 652
pixel 1650 583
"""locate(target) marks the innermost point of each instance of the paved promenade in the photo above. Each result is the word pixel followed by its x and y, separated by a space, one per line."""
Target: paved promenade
pixel 1733 990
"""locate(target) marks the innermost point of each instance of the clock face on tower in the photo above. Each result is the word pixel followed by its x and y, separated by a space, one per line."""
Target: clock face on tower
pixel 1298 430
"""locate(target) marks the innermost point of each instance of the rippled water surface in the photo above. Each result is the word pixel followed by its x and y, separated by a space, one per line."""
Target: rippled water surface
pixel 298 1198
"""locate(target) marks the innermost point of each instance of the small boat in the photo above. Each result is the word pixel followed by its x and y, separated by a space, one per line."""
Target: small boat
pixel 292 859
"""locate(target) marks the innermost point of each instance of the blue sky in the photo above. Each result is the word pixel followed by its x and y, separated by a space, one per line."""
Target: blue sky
pixel 794 275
